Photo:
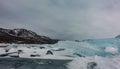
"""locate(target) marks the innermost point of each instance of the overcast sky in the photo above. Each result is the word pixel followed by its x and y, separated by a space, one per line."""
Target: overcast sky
pixel 63 19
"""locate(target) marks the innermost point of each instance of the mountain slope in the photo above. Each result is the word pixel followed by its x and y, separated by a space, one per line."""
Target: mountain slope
pixel 23 36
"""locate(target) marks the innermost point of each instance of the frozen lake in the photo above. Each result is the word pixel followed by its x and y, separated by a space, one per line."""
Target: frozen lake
pixel 89 54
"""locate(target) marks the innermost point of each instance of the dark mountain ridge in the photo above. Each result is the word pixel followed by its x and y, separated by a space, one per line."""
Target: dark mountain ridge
pixel 23 36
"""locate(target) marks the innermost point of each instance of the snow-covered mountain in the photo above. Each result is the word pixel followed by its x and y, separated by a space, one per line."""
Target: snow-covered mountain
pixel 23 36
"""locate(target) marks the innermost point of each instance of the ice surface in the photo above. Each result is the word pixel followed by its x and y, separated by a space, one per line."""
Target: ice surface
pixel 29 63
pixel 87 54
pixel 101 62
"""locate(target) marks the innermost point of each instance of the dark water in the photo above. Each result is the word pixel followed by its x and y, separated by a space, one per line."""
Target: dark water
pixel 25 63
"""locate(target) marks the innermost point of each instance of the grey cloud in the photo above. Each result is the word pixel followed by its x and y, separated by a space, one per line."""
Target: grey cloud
pixel 62 19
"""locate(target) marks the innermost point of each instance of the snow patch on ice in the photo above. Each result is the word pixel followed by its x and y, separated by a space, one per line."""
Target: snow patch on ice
pixel 111 50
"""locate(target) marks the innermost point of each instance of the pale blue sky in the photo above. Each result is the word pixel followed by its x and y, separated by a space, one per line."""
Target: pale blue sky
pixel 63 19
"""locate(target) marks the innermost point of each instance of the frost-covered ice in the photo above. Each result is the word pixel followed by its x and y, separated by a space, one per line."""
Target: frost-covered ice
pixel 111 50
pixel 90 54
pixel 102 62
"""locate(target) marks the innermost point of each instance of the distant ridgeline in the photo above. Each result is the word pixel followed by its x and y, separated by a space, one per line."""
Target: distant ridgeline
pixel 23 36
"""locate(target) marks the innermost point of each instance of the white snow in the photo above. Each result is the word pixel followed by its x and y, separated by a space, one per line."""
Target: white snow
pixel 102 62
pixel 111 50
pixel 28 50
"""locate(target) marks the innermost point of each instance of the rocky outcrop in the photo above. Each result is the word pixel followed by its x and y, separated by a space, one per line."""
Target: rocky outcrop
pixel 23 36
